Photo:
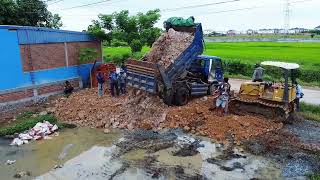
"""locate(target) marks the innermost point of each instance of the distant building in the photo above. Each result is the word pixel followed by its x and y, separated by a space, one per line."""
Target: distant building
pixel 231 33
pixel 317 28
pixel 297 30
pixel 266 31
pixel 250 32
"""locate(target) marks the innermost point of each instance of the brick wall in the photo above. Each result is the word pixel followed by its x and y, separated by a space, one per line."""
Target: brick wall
pixel 56 87
pixel 44 56
pixel 74 49
pixel 28 92
pixel 14 96
pixel 48 56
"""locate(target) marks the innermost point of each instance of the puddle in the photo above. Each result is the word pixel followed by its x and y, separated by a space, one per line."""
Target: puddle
pixel 39 157
pixel 104 162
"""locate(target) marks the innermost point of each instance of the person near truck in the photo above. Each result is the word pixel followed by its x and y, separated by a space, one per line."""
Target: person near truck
pixel 299 95
pixel 100 79
pixel 223 97
pixel 113 77
pixel 258 73
pixel 122 81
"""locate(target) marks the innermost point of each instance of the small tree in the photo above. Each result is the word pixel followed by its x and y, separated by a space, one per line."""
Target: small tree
pixel 136 46
pixel 87 55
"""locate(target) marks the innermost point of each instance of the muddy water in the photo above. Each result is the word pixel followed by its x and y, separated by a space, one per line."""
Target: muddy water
pixel 100 162
pixel 41 156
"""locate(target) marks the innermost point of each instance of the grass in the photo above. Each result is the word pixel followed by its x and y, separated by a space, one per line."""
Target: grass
pixel 26 121
pixel 314 177
pixel 310 112
pixel 258 36
pixel 305 54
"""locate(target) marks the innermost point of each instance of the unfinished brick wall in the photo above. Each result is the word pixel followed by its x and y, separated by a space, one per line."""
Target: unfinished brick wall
pixel 44 56
pixel 44 90
pixel 14 96
pixel 56 87
pixel 48 56
pixel 74 49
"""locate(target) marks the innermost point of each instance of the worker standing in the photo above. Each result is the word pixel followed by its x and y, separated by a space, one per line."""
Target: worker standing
pixel 258 73
pixel 113 83
pixel 223 97
pixel 122 81
pixel 100 80
pixel 299 95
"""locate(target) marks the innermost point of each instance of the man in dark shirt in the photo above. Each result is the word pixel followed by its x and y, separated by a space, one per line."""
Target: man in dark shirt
pixel 68 88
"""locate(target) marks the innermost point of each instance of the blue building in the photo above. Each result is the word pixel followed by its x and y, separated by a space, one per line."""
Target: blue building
pixel 35 62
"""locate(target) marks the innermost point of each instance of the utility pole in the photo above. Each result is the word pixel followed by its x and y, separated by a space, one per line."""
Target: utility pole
pixel 286 17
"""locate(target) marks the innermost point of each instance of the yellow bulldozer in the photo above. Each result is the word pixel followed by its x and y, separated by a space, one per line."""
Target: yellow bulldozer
pixel 273 100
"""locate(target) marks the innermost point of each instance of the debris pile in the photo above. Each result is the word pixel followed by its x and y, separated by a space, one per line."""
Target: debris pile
pixel 141 110
pixel 135 110
pixel 168 47
pixel 39 131
pixel 197 118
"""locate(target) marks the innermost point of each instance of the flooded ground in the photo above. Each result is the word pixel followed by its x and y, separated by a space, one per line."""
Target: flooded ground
pixel 85 153
pixel 39 157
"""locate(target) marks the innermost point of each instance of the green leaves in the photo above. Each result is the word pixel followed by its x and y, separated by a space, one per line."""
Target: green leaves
pixel 121 27
pixel 87 55
pixel 28 13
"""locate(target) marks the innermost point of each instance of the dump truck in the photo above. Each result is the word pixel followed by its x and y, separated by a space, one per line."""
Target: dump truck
pixel 273 100
pixel 189 75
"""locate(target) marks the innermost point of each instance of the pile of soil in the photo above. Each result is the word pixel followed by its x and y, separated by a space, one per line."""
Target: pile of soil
pixel 168 47
pixel 141 110
pixel 134 110
pixel 197 118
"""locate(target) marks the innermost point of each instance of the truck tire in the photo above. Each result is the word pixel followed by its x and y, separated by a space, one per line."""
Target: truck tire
pixel 167 97
pixel 212 88
pixel 182 96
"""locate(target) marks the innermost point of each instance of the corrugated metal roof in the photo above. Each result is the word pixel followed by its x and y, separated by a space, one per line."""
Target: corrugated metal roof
pixel 40 35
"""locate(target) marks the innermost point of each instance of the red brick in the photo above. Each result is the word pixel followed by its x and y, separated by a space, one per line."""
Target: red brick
pixel 14 96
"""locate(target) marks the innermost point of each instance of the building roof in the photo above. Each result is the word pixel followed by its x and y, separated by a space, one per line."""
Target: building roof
pixel 283 65
pixel 41 35
pixel 33 28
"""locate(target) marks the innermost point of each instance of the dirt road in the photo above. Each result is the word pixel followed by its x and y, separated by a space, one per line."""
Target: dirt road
pixel 311 95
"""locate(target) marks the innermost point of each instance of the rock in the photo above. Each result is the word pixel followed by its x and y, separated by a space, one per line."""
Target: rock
pixel 10 162
pixel 57 166
pixel 22 174
pixel 187 128
pixel 51 109
pixel 34 115
pixel 205 98
pixel 130 127
pixel 81 114
pixel 106 131
pixel 43 113
pixel 193 131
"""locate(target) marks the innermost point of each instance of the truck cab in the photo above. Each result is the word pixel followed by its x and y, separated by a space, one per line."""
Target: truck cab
pixel 209 68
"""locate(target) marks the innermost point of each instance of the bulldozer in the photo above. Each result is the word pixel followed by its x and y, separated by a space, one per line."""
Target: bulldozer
pixel 273 100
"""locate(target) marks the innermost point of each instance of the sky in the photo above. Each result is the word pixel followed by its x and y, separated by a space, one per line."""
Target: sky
pixel 232 14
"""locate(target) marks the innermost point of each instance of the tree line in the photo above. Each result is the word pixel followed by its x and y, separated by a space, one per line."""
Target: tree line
pixel 28 13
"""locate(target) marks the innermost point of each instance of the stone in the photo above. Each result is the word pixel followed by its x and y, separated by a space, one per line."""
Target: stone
pixel 43 113
pixel 106 131
pixel 205 98
pixel 193 131
pixel 10 162
pixel 186 128
pixel 81 114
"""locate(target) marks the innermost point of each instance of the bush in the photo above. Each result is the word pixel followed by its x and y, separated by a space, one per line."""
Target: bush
pixel 136 46
pixel 88 55
pixel 117 43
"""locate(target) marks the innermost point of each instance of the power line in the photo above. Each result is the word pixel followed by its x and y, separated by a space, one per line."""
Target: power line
pixel 55 2
pixel 84 5
pixel 196 6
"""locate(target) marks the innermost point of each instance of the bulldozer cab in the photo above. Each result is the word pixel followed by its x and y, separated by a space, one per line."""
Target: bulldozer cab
pixel 273 91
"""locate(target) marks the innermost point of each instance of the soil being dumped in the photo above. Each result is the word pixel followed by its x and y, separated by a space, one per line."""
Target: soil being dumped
pixel 168 47
pixel 141 110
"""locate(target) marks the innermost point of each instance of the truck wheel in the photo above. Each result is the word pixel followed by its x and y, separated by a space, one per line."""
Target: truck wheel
pixel 211 89
pixel 167 97
pixel 182 96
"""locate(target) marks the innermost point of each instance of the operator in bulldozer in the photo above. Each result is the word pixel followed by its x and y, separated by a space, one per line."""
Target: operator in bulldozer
pixel 258 73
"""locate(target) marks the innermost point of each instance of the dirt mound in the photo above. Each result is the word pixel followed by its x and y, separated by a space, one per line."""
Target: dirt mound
pixel 85 108
pixel 141 110
pixel 196 117
pixel 168 47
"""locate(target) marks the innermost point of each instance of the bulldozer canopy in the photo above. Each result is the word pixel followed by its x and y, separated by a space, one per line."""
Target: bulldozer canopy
pixel 283 65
